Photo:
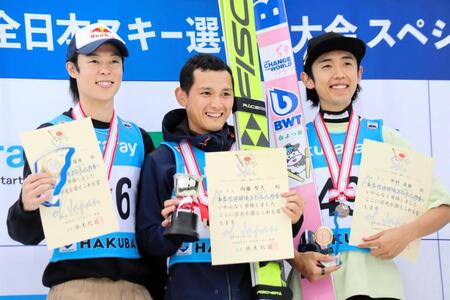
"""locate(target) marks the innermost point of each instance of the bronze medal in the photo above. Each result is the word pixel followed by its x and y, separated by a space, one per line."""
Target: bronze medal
pixel 323 236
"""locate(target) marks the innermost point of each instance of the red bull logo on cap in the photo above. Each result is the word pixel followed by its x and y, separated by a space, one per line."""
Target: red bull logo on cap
pixel 94 35
pixel 101 31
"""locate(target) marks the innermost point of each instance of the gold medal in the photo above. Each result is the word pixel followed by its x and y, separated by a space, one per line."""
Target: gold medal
pixel 51 166
pixel 323 236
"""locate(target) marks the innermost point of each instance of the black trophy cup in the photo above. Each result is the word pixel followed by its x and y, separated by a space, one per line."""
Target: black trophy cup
pixel 184 220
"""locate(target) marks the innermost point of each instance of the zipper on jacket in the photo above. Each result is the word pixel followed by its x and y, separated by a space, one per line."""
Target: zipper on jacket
pixel 228 283
pixel 222 142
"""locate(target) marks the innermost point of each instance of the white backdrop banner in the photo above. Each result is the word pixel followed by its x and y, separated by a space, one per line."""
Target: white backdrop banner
pixel 406 82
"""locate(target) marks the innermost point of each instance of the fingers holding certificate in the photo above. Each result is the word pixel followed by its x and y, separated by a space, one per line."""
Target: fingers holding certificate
pixel 393 189
pixel 250 211
pixel 37 188
pixel 69 185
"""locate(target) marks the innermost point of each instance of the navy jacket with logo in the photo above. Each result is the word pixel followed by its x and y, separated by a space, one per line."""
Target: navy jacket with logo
pixel 186 280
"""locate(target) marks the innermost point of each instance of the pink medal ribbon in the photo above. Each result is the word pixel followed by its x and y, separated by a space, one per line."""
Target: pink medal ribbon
pixel 192 168
pixel 339 172
pixel 111 142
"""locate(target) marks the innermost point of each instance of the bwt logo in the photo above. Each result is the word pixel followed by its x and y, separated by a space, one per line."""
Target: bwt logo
pixel 283 102
pixel 288 122
pixel 13 154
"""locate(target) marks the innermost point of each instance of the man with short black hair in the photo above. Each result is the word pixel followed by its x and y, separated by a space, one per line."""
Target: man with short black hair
pixel 207 97
pixel 332 72
pixel 95 64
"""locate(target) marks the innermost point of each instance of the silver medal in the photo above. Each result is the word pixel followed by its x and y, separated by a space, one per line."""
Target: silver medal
pixel 343 210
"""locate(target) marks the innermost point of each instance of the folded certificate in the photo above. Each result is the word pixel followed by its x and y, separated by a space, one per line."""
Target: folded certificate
pixel 246 220
pixel 394 185
pixel 81 206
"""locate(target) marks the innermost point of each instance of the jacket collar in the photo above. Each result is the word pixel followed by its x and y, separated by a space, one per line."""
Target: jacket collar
pixel 175 129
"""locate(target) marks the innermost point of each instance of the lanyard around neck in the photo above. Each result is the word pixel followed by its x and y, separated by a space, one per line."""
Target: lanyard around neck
pixel 192 168
pixel 339 172
pixel 111 142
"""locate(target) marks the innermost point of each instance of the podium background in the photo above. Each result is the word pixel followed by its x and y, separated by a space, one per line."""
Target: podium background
pixel 406 82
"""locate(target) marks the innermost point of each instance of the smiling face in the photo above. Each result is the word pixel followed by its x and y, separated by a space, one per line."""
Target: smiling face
pixel 209 101
pixel 99 74
pixel 335 77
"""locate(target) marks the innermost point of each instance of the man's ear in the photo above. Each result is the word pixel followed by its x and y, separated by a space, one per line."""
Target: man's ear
pixel 307 81
pixel 360 72
pixel 71 69
pixel 181 96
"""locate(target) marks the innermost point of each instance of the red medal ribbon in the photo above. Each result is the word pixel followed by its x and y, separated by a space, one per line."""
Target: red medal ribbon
pixel 339 172
pixel 192 168
pixel 111 142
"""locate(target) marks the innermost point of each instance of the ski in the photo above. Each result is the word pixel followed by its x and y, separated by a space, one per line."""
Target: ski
pixel 287 123
pixel 238 25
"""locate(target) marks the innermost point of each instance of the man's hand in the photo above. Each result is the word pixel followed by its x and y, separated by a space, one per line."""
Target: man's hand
pixel 36 189
pixel 389 243
pixel 309 265
pixel 294 205
pixel 169 207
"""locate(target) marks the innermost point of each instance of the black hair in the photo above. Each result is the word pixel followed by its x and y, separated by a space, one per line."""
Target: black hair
pixel 311 94
pixel 204 62
pixel 73 86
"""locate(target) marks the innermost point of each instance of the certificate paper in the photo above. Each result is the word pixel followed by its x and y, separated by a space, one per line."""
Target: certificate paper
pixel 247 223
pixel 85 208
pixel 394 184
